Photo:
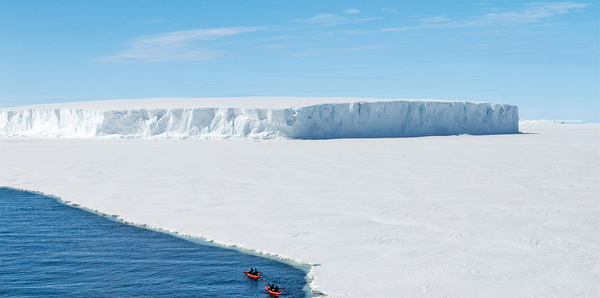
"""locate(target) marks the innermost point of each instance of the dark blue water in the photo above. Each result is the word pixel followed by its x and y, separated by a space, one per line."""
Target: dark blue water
pixel 48 249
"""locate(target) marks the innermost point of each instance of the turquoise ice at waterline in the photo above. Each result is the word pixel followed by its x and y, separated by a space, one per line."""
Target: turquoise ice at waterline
pixel 49 249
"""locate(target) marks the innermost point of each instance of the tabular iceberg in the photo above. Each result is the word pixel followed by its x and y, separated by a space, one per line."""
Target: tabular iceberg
pixel 364 119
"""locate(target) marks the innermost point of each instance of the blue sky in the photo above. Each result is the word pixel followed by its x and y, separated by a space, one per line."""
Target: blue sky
pixel 541 56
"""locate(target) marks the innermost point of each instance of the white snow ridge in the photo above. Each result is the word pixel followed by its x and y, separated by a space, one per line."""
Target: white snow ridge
pixel 312 118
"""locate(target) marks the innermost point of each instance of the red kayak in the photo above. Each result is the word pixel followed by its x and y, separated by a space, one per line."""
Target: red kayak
pixel 271 292
pixel 252 275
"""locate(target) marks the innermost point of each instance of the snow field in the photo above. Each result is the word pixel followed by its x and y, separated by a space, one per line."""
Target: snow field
pixel 461 216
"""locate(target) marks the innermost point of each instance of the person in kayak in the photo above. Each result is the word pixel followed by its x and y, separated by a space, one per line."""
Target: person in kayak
pixel 273 287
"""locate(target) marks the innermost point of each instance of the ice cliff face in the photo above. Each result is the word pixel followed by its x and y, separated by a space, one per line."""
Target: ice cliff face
pixel 323 121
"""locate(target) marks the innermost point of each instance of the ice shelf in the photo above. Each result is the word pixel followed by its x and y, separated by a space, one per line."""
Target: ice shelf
pixel 358 119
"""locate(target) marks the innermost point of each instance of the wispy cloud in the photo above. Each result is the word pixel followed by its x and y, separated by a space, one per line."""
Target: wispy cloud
pixel 325 19
pixel 330 19
pixel 190 45
pixel 200 45
pixel 314 52
pixel 532 13
pixel 351 11
pixel 433 20
pixel 274 46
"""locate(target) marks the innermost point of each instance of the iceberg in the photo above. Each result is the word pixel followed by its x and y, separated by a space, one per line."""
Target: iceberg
pixel 353 119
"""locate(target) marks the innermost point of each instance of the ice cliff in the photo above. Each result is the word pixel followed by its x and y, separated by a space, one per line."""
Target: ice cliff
pixel 399 118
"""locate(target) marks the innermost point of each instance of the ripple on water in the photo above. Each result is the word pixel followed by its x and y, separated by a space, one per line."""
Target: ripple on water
pixel 50 249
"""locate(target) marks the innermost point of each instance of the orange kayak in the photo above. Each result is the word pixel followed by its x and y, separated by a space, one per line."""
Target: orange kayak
pixel 271 292
pixel 252 275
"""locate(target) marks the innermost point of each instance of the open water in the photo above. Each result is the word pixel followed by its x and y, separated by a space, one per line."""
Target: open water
pixel 48 249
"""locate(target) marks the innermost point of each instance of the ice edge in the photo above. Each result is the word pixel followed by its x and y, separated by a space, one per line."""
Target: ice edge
pixel 310 277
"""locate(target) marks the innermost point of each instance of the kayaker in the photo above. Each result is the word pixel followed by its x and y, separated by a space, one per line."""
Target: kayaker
pixel 273 287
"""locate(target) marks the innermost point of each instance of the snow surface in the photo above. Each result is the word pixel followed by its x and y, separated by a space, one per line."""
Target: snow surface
pixel 512 215
pixel 259 118
pixel 550 122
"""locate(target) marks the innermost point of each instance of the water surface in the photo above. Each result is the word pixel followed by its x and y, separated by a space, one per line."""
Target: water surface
pixel 48 249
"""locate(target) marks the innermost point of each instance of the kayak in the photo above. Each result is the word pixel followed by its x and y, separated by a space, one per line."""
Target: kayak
pixel 271 292
pixel 252 275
